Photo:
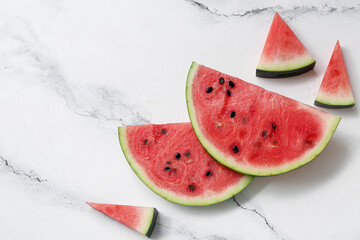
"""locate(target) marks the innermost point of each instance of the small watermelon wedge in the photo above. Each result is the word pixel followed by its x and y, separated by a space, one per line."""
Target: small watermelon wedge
pixel 283 54
pixel 141 219
pixel 335 90
pixel 170 160
pixel 250 129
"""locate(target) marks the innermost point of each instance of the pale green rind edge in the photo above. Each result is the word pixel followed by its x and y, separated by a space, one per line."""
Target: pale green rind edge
pixel 196 201
pixel 221 158
pixel 147 220
pixel 333 101
pixel 286 66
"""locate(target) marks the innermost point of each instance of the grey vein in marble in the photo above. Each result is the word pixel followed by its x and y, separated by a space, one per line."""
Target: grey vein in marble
pixel 256 212
pixel 107 105
pixel 290 12
pixel 31 175
pixel 164 228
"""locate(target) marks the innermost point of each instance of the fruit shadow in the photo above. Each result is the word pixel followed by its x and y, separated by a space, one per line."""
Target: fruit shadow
pixel 312 175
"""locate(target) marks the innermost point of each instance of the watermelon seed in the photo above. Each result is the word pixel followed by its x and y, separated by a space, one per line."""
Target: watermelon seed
pixel 209 89
pixel 235 149
pixel 228 93
pixel 178 155
pixel 163 131
pixel 145 141
pixel 273 125
pixel 308 142
pixel 231 84
pixel 232 114
pixel 221 80
pixel 208 173
pixel 264 133
pixel 167 169
pixel 192 187
pixel 187 154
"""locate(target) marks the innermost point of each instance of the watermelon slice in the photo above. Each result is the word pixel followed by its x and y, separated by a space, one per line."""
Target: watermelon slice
pixel 250 129
pixel 141 219
pixel 170 160
pixel 335 90
pixel 283 54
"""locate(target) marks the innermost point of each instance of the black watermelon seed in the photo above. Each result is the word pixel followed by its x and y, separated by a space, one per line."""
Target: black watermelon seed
pixel 264 133
pixel 145 141
pixel 232 114
pixel 273 125
pixel 208 173
pixel 308 142
pixel 209 89
pixel 178 155
pixel 228 93
pixel 192 187
pixel 187 154
pixel 163 131
pixel 167 169
pixel 221 80
pixel 235 149
pixel 231 84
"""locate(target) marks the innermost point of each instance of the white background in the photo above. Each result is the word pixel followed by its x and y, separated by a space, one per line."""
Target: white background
pixel 72 71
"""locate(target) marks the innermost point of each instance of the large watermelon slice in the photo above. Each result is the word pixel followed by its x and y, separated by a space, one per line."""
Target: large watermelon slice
pixel 170 160
pixel 335 90
pixel 250 129
pixel 283 54
pixel 141 219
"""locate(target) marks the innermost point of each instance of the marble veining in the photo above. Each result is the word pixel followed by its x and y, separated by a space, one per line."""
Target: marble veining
pixel 44 183
pixel 290 12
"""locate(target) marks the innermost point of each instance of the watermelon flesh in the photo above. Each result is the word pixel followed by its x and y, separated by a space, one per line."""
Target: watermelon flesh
pixel 141 219
pixel 170 160
pixel 250 129
pixel 335 90
pixel 283 54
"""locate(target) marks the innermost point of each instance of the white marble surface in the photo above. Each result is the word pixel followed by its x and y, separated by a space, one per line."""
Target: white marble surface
pixel 72 71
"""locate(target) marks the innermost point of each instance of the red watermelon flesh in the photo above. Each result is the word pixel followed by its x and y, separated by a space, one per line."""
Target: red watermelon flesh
pixel 335 90
pixel 141 219
pixel 170 160
pixel 250 129
pixel 283 54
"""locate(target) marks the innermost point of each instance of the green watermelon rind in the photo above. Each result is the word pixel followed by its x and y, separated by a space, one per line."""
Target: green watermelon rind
pixel 221 158
pixel 285 69
pixel 333 102
pixel 170 196
pixel 152 223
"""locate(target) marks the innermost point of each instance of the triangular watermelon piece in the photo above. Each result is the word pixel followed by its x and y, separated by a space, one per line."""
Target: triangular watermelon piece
pixel 283 54
pixel 141 219
pixel 335 90
pixel 250 129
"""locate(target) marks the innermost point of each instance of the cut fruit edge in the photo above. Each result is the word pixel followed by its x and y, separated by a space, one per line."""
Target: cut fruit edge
pixel 283 74
pixel 170 196
pixel 332 123
pixel 331 102
pixel 147 226
pixel 295 64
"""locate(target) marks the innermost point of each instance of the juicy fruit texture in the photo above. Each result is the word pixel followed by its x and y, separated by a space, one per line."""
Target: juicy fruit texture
pixel 283 54
pixel 250 129
pixel 170 160
pixel 335 90
pixel 141 219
